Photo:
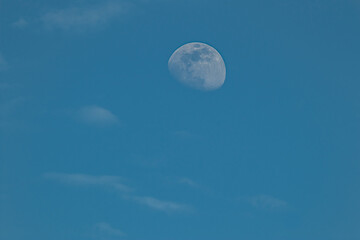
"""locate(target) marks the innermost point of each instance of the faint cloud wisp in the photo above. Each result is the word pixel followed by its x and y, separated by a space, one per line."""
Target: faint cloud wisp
pixel 108 230
pixel 188 181
pixel 161 205
pixel 81 18
pixel 96 115
pixel 267 202
pixel 115 182
pixel 89 180
pixel 20 23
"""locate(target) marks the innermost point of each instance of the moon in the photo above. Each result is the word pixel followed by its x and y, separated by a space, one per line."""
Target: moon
pixel 198 65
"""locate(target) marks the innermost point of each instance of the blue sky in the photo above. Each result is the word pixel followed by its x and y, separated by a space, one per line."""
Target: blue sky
pixel 98 141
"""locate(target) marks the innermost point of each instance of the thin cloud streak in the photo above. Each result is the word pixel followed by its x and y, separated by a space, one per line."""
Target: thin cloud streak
pixel 79 18
pixel 115 182
pixel 20 23
pixel 161 205
pixel 96 115
pixel 188 181
pixel 107 229
pixel 89 180
pixel 267 202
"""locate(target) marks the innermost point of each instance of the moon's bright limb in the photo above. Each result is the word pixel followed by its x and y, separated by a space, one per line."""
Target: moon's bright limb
pixel 198 65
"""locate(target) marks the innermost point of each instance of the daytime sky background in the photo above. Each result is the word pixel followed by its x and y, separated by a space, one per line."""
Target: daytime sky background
pixel 99 142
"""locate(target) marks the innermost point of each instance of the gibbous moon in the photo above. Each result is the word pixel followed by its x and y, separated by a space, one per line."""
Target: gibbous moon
pixel 198 66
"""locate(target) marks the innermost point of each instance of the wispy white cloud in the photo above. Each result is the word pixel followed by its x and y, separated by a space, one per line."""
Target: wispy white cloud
pixel 3 63
pixel 114 182
pixel 188 181
pixel 81 18
pixel 161 205
pixel 20 23
pixel 267 202
pixel 97 116
pixel 108 230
